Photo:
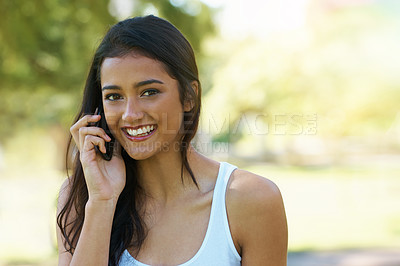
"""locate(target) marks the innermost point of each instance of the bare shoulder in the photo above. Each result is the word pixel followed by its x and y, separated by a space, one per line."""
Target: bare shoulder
pixel 246 189
pixel 257 219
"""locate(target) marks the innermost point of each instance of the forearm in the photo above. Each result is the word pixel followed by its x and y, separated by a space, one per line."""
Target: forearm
pixel 94 240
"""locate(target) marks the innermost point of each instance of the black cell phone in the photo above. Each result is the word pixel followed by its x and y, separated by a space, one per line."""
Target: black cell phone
pixel 109 145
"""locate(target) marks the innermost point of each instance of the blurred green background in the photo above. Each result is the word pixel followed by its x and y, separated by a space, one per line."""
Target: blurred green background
pixel 304 92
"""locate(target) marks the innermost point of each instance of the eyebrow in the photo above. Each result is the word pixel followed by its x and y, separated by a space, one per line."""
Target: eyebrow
pixel 147 82
pixel 137 85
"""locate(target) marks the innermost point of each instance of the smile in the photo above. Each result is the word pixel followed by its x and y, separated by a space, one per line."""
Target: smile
pixel 141 132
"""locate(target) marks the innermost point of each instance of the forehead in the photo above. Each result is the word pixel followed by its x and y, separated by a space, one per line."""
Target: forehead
pixel 131 64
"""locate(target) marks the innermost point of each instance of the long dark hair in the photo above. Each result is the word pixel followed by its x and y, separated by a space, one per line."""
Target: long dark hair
pixel 158 39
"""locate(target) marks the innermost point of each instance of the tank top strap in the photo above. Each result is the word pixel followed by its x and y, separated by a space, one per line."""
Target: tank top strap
pixel 219 225
pixel 224 174
pixel 217 248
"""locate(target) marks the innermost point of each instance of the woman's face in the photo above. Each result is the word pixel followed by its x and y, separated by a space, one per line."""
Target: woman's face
pixel 141 105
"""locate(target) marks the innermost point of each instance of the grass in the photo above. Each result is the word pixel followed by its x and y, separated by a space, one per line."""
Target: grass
pixel 338 208
pixel 327 208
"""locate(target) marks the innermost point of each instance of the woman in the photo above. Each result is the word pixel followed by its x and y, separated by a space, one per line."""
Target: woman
pixel 157 201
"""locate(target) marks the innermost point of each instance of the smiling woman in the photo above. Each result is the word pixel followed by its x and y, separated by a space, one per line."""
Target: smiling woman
pixel 147 99
pixel 156 200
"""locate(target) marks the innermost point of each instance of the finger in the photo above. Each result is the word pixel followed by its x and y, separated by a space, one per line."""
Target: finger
pixel 91 124
pixel 93 131
pixel 96 131
pixel 91 141
pixel 83 122
pixel 89 119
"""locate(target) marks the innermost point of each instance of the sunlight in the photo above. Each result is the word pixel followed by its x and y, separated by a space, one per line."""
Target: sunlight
pixel 261 17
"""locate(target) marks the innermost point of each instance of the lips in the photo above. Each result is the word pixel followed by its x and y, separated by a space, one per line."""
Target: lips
pixel 140 132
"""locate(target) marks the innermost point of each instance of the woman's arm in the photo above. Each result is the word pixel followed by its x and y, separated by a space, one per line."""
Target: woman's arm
pixel 257 219
pixel 93 245
pixel 105 181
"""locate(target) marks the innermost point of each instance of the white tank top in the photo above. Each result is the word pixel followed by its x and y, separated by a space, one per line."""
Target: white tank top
pixel 217 248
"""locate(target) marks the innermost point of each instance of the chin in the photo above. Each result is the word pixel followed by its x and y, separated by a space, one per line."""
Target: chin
pixel 141 152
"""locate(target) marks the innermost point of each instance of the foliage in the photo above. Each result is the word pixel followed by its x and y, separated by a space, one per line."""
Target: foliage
pixel 46 47
pixel 342 67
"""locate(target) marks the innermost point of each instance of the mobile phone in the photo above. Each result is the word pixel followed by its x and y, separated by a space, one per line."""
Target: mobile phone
pixel 102 123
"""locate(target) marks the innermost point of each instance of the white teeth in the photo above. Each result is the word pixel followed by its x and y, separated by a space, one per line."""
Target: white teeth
pixel 143 130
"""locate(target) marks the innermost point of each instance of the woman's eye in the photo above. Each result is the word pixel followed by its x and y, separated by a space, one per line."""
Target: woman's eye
pixel 113 97
pixel 149 92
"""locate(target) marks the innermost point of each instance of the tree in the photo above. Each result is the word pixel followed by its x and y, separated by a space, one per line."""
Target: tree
pixel 46 47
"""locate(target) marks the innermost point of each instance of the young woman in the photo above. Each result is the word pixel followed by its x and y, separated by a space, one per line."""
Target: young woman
pixel 157 201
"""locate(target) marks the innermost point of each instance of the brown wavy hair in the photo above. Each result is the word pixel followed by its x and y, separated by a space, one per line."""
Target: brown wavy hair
pixel 158 39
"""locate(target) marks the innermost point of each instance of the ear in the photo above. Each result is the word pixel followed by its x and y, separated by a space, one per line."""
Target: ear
pixel 189 103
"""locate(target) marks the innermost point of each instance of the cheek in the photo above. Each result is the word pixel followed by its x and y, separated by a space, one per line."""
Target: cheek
pixel 112 116
pixel 172 121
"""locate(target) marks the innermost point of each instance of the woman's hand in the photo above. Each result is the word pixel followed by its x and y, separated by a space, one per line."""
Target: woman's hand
pixel 105 179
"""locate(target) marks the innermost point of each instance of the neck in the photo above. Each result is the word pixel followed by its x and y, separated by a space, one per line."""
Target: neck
pixel 161 177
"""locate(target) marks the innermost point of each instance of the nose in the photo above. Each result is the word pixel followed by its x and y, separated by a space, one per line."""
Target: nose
pixel 133 111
